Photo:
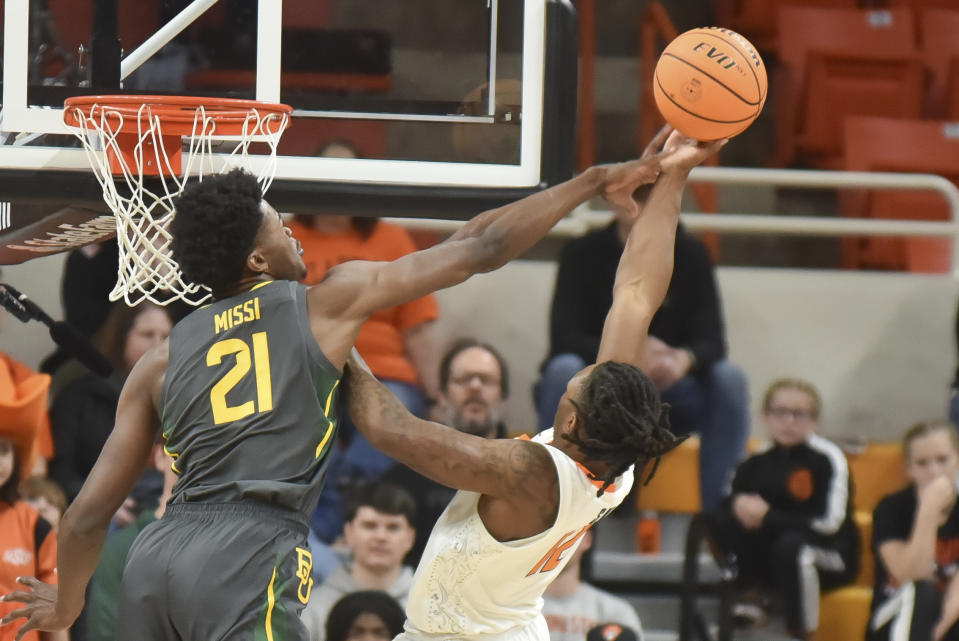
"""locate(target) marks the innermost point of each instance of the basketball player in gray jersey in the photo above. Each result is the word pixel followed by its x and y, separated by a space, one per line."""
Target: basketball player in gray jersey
pixel 243 394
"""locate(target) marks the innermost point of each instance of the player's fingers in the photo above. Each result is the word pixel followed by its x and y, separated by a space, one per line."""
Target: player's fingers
pixel 19 613
pixel 18 596
pixel 29 581
pixel 26 627
pixel 658 140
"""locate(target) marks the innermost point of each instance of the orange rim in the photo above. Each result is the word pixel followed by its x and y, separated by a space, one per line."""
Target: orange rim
pixel 176 113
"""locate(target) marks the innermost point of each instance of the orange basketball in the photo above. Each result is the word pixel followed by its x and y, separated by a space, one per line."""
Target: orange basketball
pixel 710 83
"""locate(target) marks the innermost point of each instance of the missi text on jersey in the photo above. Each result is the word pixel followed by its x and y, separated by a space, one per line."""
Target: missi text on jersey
pixel 237 315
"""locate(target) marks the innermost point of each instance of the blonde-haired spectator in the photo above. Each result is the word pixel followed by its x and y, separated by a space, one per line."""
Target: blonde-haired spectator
pixel 788 517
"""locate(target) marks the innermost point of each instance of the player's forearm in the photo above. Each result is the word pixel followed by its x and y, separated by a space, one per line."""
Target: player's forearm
pixel 78 551
pixel 647 263
pixel 508 231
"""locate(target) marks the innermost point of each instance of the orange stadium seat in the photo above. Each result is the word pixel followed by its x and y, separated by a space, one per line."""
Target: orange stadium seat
pixel 876 472
pixel 756 19
pixel 839 62
pixel 940 52
pixel 920 5
pixel 877 144
pixel 675 488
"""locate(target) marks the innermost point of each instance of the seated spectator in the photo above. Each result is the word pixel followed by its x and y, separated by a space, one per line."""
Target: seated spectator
pixel 28 544
pixel 46 497
pixel 474 384
pixel 685 353
pixel 788 519
pixel 915 539
pixel 573 607
pixel 397 343
pixel 369 615
pixel 103 593
pixel 379 534
pixel 82 414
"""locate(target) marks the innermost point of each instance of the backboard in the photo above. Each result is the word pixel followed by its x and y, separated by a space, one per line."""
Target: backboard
pixel 452 107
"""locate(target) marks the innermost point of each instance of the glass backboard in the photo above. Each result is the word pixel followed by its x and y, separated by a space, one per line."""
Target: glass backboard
pixel 450 106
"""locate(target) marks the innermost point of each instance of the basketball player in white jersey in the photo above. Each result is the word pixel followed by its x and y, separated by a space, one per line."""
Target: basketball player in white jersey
pixel 524 504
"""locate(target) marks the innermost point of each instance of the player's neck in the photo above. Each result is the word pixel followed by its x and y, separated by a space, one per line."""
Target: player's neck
pixel 373 578
pixel 243 285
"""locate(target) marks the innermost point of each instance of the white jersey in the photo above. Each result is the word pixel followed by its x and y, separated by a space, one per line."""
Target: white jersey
pixel 470 586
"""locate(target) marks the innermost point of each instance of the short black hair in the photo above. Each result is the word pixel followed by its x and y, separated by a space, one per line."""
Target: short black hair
pixel 345 611
pixel 463 344
pixel 215 227
pixel 385 498
pixel 624 418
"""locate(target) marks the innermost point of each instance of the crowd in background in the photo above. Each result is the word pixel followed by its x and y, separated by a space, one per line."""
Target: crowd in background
pixel 784 514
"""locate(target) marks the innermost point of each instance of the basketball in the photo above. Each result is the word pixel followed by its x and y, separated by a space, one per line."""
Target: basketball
pixel 710 83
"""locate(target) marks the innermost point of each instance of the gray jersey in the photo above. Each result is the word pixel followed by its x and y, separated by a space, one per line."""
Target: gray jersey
pixel 249 401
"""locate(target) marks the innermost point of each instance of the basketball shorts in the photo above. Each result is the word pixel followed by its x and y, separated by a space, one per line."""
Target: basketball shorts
pixel 217 572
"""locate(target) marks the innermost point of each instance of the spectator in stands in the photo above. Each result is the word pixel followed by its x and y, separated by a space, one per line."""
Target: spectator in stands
pixel 788 519
pixel 379 534
pixel 369 615
pixel 88 277
pixel 28 544
pixel 23 391
pixel 46 497
pixel 474 384
pixel 915 539
pixel 572 607
pixel 397 343
pixel 685 353
pixel 103 594
pixel 82 415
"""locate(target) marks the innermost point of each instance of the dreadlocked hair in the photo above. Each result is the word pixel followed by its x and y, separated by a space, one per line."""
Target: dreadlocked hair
pixel 624 421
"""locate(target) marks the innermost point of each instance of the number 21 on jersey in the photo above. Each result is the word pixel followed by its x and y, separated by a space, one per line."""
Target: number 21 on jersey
pixel 224 413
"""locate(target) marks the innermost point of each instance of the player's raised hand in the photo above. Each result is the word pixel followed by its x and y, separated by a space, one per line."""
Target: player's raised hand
pixel 39 607
pixel 623 179
pixel 681 153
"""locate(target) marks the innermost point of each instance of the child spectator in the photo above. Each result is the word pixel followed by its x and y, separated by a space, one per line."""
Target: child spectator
pixel 788 518
pixel 46 497
pixel 28 545
pixel 915 539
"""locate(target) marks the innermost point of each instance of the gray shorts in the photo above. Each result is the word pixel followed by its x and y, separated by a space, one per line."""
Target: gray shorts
pixel 217 572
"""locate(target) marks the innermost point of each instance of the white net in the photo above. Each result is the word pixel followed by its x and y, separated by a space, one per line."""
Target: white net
pixel 143 201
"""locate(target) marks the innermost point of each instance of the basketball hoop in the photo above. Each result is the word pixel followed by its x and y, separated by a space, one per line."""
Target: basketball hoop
pixel 135 143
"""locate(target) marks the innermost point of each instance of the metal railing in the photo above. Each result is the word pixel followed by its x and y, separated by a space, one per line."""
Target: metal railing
pixel 587 217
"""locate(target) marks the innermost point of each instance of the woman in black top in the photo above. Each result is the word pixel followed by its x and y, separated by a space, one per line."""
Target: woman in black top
pixel 915 540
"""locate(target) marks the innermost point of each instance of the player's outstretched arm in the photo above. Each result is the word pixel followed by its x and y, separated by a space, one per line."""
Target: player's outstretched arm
pixel 486 242
pixel 506 468
pixel 84 525
pixel 646 264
